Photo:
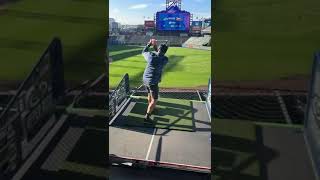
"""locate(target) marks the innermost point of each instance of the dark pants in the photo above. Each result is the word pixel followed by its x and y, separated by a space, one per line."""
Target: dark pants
pixel 153 90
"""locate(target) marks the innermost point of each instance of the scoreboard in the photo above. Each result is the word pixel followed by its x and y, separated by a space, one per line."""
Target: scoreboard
pixel 173 21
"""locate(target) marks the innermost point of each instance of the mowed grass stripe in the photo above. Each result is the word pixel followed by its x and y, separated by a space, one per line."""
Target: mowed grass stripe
pixel 115 49
pixel 186 67
pixel 124 51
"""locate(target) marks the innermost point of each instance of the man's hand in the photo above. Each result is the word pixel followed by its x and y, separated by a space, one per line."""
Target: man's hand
pixel 153 42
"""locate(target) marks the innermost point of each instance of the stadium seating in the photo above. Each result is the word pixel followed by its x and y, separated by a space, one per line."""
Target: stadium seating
pixel 142 40
pixel 198 42
pixel 188 42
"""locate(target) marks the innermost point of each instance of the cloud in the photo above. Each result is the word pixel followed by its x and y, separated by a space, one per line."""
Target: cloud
pixel 163 5
pixel 115 10
pixel 138 6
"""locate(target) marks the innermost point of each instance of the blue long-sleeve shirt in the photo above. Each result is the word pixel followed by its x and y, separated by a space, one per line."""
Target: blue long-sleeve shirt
pixel 155 64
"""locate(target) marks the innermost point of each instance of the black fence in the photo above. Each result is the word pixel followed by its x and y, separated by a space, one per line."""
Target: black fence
pixel 118 96
pixel 29 112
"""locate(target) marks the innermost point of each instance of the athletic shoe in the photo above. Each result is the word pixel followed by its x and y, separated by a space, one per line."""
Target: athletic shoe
pixel 147 119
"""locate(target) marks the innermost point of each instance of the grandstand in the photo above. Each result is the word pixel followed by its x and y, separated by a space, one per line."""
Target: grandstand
pixel 179 41
pixel 141 40
pixel 198 42
pixel 206 31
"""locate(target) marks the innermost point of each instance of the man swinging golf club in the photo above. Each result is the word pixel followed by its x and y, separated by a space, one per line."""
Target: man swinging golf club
pixel 156 61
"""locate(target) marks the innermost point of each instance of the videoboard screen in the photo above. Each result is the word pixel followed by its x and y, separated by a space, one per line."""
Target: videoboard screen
pixel 173 22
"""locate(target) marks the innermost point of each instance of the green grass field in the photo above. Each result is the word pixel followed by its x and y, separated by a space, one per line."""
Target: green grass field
pixel 265 39
pixel 186 67
pixel 28 26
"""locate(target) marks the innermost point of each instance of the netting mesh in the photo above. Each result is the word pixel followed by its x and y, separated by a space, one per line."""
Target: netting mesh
pixel 296 106
pixel 259 105
pixel 117 97
pixel 264 108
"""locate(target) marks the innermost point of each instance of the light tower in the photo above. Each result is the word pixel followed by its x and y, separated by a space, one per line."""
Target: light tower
pixel 170 3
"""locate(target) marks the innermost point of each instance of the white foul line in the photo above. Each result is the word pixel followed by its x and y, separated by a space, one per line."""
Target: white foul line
pixel 150 145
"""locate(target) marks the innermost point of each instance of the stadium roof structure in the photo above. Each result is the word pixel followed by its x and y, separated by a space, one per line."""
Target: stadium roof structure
pixel 173 3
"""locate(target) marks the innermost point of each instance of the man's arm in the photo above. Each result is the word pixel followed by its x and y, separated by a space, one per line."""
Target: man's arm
pixel 146 53
pixel 146 48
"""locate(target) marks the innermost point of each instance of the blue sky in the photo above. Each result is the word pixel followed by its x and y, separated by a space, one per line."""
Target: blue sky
pixel 136 11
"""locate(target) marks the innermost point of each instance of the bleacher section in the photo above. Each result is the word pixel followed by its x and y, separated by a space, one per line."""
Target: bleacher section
pixel 198 42
pixel 180 41
pixel 116 40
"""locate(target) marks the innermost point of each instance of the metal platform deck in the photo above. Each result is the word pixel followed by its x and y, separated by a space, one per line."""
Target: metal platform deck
pixel 161 147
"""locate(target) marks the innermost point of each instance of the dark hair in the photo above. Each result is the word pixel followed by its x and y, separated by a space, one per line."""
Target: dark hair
pixel 163 49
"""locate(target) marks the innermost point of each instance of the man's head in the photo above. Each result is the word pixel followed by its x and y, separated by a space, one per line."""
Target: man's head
pixel 162 49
